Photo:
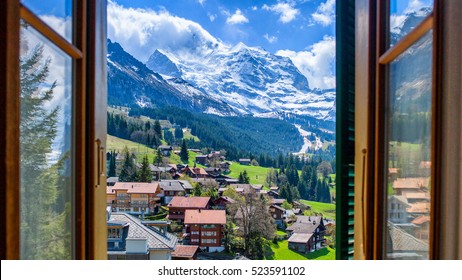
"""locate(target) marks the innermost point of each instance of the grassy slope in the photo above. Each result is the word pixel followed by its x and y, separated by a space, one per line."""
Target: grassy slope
pixel 257 174
pixel 118 144
pixel 327 209
pixel 282 252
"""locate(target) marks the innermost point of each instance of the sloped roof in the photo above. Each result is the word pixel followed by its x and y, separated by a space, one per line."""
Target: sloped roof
pixel 171 185
pixel 300 238
pixel 198 216
pixel 419 207
pixel 136 229
pixel 189 202
pixel 410 183
pixel 135 187
pixel 304 224
pixel 185 184
pixel 421 220
pixel 403 241
pixel 112 180
pixel 185 251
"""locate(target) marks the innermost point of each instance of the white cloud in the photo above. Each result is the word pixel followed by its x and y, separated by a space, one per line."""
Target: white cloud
pixel 201 2
pixel 396 22
pixel 237 18
pixel 212 17
pixel 254 8
pixel 317 64
pixel 270 39
pixel 286 11
pixel 142 31
pixel 325 13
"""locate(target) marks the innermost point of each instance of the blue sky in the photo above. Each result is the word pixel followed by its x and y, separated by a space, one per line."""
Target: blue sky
pixel 303 30
pixel 273 25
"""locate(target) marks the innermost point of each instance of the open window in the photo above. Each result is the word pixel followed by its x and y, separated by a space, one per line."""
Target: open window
pixel 53 85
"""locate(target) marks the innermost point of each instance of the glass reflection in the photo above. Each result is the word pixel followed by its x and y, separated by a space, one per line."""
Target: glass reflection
pixel 45 144
pixel 405 15
pixel 56 13
pixel 409 132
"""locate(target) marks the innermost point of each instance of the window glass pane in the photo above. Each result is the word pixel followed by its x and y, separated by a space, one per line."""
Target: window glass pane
pixel 409 137
pixel 45 157
pixel 56 13
pixel 405 15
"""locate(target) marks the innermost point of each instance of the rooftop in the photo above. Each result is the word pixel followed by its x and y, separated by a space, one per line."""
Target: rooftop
pixel 411 183
pixel 156 239
pixel 189 202
pixel 300 237
pixel 171 185
pixel 185 251
pixel 134 187
pixel 209 217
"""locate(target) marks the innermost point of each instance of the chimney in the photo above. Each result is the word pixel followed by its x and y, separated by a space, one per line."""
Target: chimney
pixel 199 210
pixel 132 186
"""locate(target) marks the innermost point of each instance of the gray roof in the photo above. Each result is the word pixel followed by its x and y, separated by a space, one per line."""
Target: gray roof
pixel 112 179
pixel 171 185
pixel 403 241
pixel 154 168
pixel 300 237
pixel 136 229
pixel 186 184
pixel 304 224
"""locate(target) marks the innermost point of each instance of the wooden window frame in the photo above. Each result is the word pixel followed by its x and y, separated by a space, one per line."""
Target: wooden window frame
pixel 384 56
pixel 88 49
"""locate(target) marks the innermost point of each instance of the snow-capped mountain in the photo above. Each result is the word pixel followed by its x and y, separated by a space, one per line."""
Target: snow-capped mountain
pixel 130 83
pixel 249 79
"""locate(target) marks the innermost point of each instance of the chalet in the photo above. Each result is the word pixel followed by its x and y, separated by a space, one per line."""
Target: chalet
pixel 244 161
pixel 302 242
pixel 278 214
pixel 171 188
pixel 159 172
pixel 179 204
pixel 213 171
pixel 166 150
pixel 111 181
pixel 134 197
pixel 205 228
pixel 185 252
pixel 222 202
pixel 196 172
pixel 277 201
pixel 224 166
pixel 129 239
pixel 273 194
pixel 201 159
pixel 309 225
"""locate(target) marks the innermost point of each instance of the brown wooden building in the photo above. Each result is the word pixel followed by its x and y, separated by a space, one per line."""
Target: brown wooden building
pixel 205 228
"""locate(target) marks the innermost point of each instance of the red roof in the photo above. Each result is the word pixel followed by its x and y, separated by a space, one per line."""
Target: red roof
pixel 209 217
pixel 189 202
pixel 185 251
pixel 132 187
pixel 410 183
pixel 421 220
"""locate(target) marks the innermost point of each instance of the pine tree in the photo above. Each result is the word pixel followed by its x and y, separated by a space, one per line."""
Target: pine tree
pixel 158 129
pixel 144 174
pixel 128 172
pixel 157 158
pixel 45 205
pixel 184 155
pixel 245 177
pixel 112 165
